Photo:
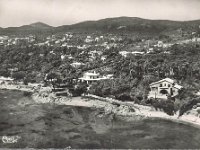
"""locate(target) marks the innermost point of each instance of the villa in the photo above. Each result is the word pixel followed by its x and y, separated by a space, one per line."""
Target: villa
pixel 163 88
pixel 90 77
pixel 77 64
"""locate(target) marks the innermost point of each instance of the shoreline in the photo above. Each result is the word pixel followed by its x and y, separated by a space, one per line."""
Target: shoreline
pixel 19 87
pixel 150 112
pixel 141 112
pixel 177 121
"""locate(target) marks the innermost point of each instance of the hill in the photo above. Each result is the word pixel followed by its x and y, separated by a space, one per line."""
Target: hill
pixel 35 28
pixel 126 25
pixel 1 29
pixel 131 22
pixel 40 25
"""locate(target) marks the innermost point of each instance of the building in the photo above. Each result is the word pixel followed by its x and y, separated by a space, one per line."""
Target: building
pixel 77 64
pixel 164 88
pixel 125 53
pixel 96 39
pixel 88 39
pixel 103 58
pixel 90 77
pixel 150 50
pixel 160 44
pixel 137 53
pixel 3 40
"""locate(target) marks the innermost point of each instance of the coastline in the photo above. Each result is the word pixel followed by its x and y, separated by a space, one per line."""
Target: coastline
pixel 44 95
pixel 150 113
pixel 187 119
pixel 19 87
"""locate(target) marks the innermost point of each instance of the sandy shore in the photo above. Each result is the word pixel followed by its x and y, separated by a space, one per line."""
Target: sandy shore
pixel 123 110
pixel 150 112
pixel 44 95
pixel 186 118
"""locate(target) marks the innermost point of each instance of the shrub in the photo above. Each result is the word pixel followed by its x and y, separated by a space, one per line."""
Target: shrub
pixel 124 97
pixel 188 106
pixel 166 106
pixel 27 94
pixel 79 89
pixel 19 75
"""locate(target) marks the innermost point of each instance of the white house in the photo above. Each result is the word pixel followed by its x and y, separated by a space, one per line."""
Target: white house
pixel 103 58
pixel 137 53
pixel 64 45
pixel 150 50
pixel 77 64
pixel 163 88
pixel 125 53
pixel 1 43
pixel 160 44
pixel 57 42
pixel 90 77
pixel 82 46
pixel 97 39
pixel 88 39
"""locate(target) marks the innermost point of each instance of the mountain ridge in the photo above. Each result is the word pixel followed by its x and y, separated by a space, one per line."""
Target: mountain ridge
pixel 109 25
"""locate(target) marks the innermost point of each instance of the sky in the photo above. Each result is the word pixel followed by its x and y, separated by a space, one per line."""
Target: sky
pixel 64 12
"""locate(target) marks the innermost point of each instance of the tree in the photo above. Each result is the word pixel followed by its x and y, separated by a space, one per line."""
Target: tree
pixel 54 77
pixel 19 75
pixel 81 88
pixel 4 72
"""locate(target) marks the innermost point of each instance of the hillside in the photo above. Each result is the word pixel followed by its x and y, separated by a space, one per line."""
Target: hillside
pixel 134 25
pixel 40 25
pixel 35 28
pixel 126 25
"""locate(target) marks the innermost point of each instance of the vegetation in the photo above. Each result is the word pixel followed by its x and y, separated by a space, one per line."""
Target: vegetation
pixel 133 25
pixel 51 63
pixel 27 94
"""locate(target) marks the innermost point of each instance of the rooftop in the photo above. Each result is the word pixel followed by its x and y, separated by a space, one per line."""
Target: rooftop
pixel 166 79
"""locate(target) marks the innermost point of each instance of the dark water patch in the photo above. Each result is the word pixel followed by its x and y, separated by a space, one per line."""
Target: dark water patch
pixel 4 126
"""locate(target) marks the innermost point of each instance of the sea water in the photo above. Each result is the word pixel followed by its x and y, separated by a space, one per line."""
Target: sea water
pixel 23 123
